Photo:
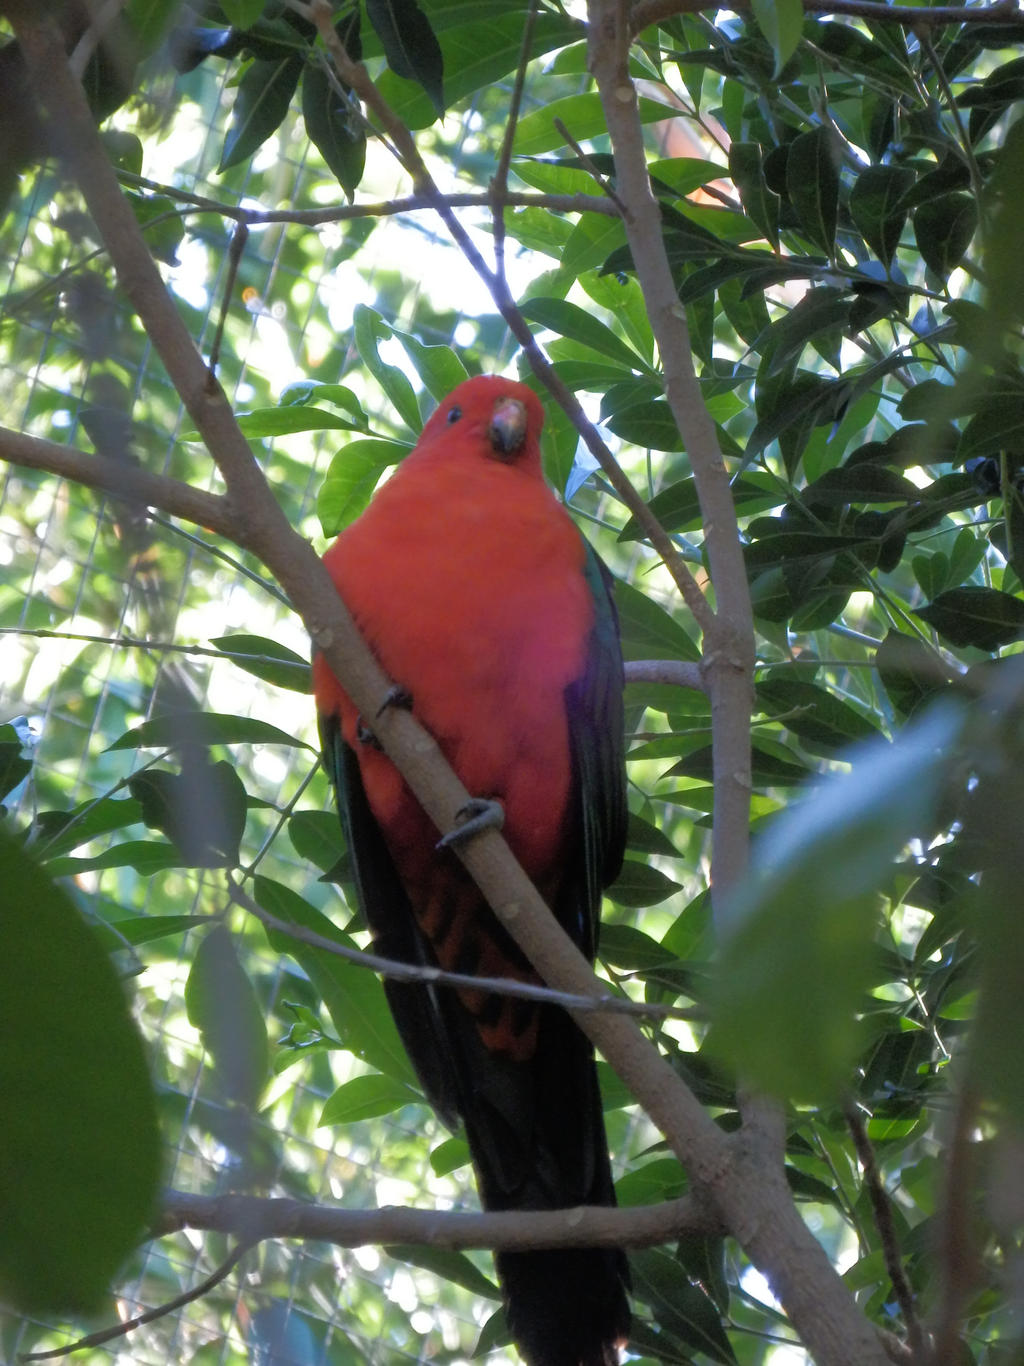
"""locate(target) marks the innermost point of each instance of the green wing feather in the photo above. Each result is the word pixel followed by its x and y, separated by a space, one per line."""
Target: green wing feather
pixel 597 747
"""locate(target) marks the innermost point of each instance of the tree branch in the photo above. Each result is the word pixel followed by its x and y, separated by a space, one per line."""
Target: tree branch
pixel 254 1218
pixel 126 1326
pixel 764 1218
pixel 385 208
pixel 119 479
pixel 729 636
pixel 498 986
pixel 884 1222
pixel 679 672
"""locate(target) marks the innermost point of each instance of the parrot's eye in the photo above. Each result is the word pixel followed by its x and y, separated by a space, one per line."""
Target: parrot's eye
pixel 454 414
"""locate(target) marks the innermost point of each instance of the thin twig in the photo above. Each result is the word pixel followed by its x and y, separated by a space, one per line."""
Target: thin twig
pixel 499 181
pixel 121 1330
pixel 498 986
pixel 236 247
pixel 384 208
pixel 586 161
pixel 882 1208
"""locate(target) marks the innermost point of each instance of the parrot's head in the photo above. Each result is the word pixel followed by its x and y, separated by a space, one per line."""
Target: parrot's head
pixel 488 417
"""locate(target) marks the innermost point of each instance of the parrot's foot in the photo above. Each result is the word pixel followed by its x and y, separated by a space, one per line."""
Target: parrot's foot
pixel 396 696
pixel 365 735
pixel 479 814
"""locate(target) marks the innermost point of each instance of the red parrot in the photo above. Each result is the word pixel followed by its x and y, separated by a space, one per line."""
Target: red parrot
pixel 493 616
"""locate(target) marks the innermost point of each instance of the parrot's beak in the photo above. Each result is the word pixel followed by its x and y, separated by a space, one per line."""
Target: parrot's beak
pixel 508 426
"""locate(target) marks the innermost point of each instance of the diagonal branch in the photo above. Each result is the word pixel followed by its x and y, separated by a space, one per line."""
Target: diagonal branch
pixel 119 479
pixel 414 972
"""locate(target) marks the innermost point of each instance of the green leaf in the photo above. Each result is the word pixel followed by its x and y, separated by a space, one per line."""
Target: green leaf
pixel 569 320
pixel 638 884
pixel 648 630
pixel 449 1156
pixel 797 953
pixel 370 329
pixel 590 242
pixel 476 55
pixel 761 205
pixel 274 422
pixel 410 45
pixel 267 659
pixel 440 369
pixel 351 478
pixel 679 1306
pixel 677 507
pixel 631 949
pixel 76 1201
pixel 876 207
pixel 242 14
pixel 58 832
pixel 770 768
pixel 352 994
pixel 144 929
pixel 582 115
pixel 821 309
pixel 307 392
pixel 983 617
pixel 781 22
pixel 647 838
pixel 262 99
pixel 223 1006
pixel 13 768
pixel 651 425
pixel 333 125
pixel 202 809
pixel 317 837
pixel 944 228
pixel 449 1265
pixel 997 426
pixel 824 722
pixel 812 182
pixel 203 728
pixel 366 1098
pixel 145 856
pixel 649 1184
pixel 911 672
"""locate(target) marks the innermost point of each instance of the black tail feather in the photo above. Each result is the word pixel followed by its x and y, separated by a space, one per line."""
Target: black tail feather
pixel 567 1306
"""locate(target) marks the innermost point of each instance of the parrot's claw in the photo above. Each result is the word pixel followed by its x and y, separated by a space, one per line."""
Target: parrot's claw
pixel 365 735
pixel 396 696
pixel 479 814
